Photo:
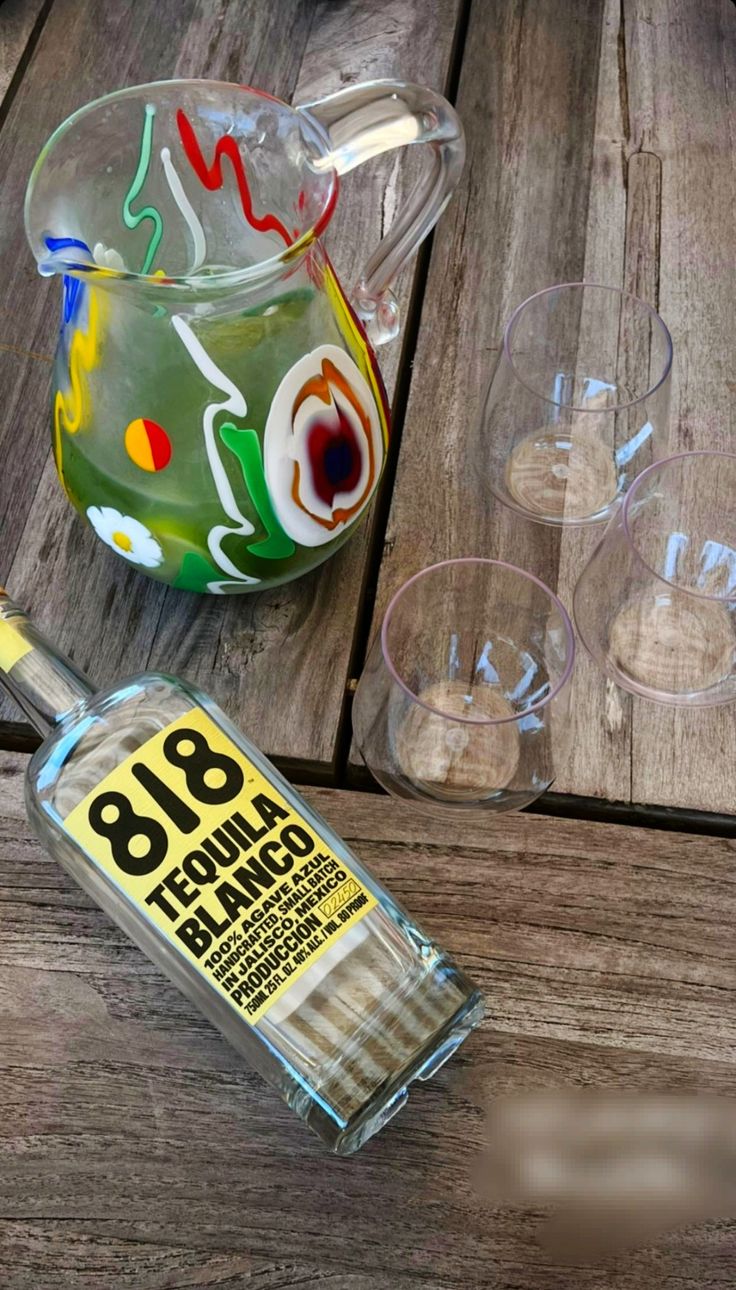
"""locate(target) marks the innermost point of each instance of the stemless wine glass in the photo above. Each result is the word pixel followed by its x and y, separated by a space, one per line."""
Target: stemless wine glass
pixel 656 604
pixel 578 402
pixel 463 703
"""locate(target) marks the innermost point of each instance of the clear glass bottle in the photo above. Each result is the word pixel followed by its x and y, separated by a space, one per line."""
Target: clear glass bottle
pixel 196 846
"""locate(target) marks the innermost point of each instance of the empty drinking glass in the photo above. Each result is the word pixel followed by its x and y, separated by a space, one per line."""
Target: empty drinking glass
pixel 656 604
pixel 463 703
pixel 578 403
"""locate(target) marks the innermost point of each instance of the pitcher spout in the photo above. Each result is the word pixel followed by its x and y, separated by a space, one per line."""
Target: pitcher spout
pixel 72 256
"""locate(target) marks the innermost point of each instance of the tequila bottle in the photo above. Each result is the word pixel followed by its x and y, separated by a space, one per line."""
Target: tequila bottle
pixel 246 898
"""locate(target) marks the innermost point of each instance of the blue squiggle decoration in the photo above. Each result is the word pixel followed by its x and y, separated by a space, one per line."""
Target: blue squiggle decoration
pixel 72 286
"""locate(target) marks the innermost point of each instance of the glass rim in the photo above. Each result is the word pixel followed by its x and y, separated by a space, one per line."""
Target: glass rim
pixel 497 564
pixel 232 277
pixel 595 286
pixel 630 497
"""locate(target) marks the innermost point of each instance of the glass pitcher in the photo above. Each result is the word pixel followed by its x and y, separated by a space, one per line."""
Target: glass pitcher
pixel 218 413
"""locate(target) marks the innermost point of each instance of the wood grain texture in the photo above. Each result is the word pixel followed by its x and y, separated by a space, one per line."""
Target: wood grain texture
pixel 137 1152
pixel 18 19
pixel 527 96
pixel 243 650
pixel 670 137
pixel 594 133
pixel 600 761
pixel 687 129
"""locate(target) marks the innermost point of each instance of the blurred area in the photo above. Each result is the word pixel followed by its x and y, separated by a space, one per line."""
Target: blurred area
pixel 611 1169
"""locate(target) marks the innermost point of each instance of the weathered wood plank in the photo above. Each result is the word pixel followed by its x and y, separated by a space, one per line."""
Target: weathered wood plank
pixel 527 96
pixel 136 1150
pixel 622 247
pixel 18 19
pixel 600 751
pixel 654 140
pixel 685 123
pixel 296 641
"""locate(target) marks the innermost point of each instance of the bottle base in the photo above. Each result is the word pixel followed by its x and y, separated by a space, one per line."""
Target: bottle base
pixel 389 1098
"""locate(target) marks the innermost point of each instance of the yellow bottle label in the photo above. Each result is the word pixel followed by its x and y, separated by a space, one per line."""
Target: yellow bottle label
pixel 13 647
pixel 214 855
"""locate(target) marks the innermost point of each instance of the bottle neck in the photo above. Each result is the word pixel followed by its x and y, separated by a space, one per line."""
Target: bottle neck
pixel 44 683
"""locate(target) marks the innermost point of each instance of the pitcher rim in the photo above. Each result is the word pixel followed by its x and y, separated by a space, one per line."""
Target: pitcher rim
pixel 212 281
pixel 630 296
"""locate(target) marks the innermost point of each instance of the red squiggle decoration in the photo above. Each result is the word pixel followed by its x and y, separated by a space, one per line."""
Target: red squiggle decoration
pixel 212 177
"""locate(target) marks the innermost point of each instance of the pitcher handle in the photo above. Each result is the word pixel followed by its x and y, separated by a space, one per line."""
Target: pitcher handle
pixel 362 122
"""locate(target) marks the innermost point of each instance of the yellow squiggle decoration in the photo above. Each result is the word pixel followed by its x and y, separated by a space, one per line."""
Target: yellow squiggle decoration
pixel 69 407
pixel 360 349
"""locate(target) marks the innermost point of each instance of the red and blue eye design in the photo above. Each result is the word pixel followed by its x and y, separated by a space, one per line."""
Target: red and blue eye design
pixel 323 446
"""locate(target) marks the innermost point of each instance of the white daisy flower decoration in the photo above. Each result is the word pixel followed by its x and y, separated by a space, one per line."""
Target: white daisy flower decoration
pixel 127 536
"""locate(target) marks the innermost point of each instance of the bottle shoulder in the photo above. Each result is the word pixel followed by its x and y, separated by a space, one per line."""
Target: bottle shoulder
pixel 100 732
pixel 109 728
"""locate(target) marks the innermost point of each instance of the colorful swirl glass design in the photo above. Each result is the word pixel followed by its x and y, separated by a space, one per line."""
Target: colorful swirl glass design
pixel 281 452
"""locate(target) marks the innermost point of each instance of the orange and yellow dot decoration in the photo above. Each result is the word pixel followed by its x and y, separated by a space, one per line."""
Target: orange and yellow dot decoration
pixel 147 444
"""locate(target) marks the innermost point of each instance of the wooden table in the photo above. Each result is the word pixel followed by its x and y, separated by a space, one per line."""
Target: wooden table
pixel 136 1153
